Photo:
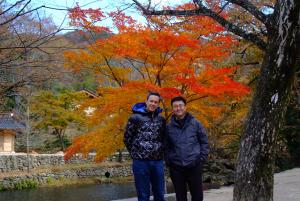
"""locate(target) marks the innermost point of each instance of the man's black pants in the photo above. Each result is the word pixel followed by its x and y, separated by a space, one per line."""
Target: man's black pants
pixel 183 176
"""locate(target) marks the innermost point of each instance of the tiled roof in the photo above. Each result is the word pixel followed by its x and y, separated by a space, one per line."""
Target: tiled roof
pixel 8 122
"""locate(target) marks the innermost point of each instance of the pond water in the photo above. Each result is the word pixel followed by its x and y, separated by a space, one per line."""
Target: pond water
pixel 99 192
pixel 93 192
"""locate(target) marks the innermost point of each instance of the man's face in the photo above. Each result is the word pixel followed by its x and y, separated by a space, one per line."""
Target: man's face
pixel 179 109
pixel 152 103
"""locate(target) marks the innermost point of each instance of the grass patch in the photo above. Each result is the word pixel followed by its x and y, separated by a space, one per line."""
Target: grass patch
pixel 2 187
pixel 116 180
pixel 26 184
pixel 51 182
pixel 19 185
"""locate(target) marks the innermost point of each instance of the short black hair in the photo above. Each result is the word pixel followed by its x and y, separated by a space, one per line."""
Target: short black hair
pixel 178 98
pixel 153 94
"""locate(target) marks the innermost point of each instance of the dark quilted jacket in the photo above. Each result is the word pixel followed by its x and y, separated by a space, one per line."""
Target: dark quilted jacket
pixel 187 144
pixel 143 137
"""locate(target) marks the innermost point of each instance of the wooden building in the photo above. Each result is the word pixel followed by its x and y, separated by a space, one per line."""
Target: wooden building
pixel 8 131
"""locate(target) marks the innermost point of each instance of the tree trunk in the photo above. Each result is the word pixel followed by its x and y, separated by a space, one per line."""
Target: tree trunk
pixel 60 134
pixel 255 163
pixel 120 156
pixel 61 137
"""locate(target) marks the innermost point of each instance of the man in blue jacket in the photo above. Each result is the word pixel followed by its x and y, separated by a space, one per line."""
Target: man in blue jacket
pixel 186 151
pixel 143 139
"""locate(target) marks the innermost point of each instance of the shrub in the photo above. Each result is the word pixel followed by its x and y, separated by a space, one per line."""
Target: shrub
pixel 26 184
pixel 50 180
pixel 2 187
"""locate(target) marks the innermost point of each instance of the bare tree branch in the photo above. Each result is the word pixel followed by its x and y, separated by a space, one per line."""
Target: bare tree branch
pixel 248 6
pixel 17 15
pixel 202 10
pixel 11 7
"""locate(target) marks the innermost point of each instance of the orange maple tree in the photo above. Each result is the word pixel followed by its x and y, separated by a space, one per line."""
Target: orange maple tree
pixel 184 58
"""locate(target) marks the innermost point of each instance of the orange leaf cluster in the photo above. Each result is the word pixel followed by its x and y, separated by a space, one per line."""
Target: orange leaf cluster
pixel 172 60
pixel 87 18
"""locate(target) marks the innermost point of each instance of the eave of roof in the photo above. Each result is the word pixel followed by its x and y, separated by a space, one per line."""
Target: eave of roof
pixel 8 122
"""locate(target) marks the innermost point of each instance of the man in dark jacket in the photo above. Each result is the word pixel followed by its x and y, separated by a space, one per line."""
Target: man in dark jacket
pixel 186 151
pixel 143 139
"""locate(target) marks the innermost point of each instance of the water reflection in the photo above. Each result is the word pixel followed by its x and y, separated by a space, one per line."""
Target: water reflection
pixel 101 192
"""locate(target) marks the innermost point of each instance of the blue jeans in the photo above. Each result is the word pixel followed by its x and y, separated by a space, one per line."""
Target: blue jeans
pixel 149 172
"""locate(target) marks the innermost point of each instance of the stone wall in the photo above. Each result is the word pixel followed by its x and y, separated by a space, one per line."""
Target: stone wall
pixel 42 178
pixel 55 169
pixel 219 172
pixel 19 162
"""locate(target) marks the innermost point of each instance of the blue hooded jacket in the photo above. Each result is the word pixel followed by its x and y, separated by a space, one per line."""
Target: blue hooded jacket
pixel 144 132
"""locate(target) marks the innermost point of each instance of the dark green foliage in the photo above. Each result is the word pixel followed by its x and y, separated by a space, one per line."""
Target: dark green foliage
pixel 76 82
pixel 1 187
pixel 26 184
pixel 290 133
pixel 8 103
pixel 55 145
pixel 88 81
